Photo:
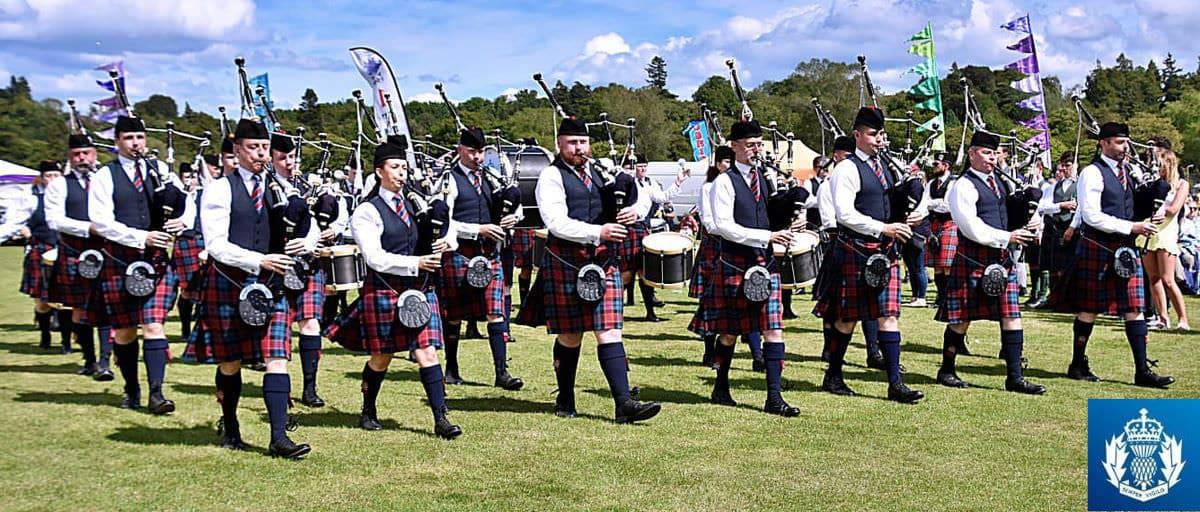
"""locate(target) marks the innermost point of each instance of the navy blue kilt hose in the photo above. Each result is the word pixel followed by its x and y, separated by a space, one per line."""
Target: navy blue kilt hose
pixel 724 309
pixel 1090 283
pixel 965 299
pixel 845 296
pixel 232 339
pixel 370 324
pixel 553 300
pixel 460 300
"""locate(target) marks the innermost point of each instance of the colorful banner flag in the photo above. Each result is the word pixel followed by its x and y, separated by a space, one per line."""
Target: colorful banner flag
pixel 1030 84
pixel 934 104
pixel 929 86
pixel 260 110
pixel 1035 103
pixel 697 134
pixel 1018 25
pixel 1025 45
pixel 1027 65
pixel 1037 123
pixel 108 103
pixel 385 95
pixel 935 123
pixel 923 70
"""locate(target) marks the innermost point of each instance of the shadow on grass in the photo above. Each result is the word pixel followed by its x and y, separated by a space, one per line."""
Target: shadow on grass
pixel 40 368
pixel 334 418
pixel 249 390
pixel 516 405
pixel 29 348
pixel 23 326
pixel 89 398
pixel 199 435
pixel 664 361
pixel 660 336
pixel 653 394
pixel 405 372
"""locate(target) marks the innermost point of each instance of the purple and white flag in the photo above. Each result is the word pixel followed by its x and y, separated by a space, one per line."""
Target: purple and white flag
pixel 108 103
pixel 1030 84
pixel 1035 103
pixel 1037 123
pixel 1025 45
pixel 1027 65
pixel 1018 25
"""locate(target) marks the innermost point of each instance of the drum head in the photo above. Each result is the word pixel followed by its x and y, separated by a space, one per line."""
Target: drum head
pixel 589 283
pixel 1125 262
pixel 412 309
pixel 339 250
pixel 479 272
pixel 140 279
pixel 877 272
pixel 658 225
pixel 756 284
pixel 805 241
pixel 256 304
pixel 994 280
pixel 541 233
pixel 49 257
pixel 90 263
pixel 667 243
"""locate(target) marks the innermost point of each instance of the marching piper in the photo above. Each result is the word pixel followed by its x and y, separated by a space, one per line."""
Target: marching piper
pixel 1057 206
pixel 27 220
pixel 650 198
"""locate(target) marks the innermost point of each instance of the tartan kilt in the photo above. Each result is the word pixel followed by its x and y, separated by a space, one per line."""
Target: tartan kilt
pixel 965 300
pixel 942 244
pixel 370 325
pixel 186 260
pixel 231 339
pixel 521 244
pixel 34 277
pixel 159 305
pixel 629 250
pixel 309 302
pixel 200 342
pixel 553 301
pixel 723 307
pixel 122 309
pixel 706 255
pixel 67 287
pixel 845 296
pixel 460 300
pixel 826 268
pixel 1090 285
pixel 1056 255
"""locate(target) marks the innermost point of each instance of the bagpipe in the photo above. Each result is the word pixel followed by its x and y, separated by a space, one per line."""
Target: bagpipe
pixel 1149 189
pixel 907 188
pixel 506 190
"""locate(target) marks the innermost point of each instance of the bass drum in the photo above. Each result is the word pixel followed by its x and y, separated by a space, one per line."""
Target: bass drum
pixel 539 246
pixel 798 263
pixel 667 259
pixel 531 159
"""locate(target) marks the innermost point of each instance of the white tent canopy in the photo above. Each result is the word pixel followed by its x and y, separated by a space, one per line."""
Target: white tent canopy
pixel 13 191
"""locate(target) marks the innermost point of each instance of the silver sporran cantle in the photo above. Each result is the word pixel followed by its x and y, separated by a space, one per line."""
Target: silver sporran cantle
pixel 877 272
pixel 589 283
pixel 994 280
pixel 413 310
pixel 90 263
pixel 1125 262
pixel 756 284
pixel 479 272
pixel 256 304
pixel 140 279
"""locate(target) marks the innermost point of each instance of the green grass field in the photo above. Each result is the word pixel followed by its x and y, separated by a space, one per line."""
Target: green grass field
pixel 66 445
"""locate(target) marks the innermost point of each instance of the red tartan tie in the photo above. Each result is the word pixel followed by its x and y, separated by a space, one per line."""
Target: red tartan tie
pixel 475 178
pixel 878 171
pixel 754 186
pixel 992 184
pixel 1121 176
pixel 402 211
pixel 583 176
pixel 256 193
pixel 137 176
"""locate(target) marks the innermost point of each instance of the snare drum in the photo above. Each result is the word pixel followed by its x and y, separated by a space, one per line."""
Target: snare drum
pixel 343 266
pixel 667 259
pixel 798 263
pixel 539 245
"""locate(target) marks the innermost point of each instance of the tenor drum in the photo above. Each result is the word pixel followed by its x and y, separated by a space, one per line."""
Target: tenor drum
pixel 667 259
pixel 539 245
pixel 659 225
pixel 343 266
pixel 798 263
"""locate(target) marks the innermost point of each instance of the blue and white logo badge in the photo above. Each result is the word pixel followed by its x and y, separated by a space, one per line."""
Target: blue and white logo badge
pixel 1142 461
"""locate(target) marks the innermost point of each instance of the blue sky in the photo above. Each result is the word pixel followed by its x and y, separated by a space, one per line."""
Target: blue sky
pixel 186 48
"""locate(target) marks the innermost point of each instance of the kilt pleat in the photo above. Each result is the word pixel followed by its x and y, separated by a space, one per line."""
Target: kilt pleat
pixel 723 307
pixel 553 301
pixel 965 299
pixel 1091 285
pixel 942 244
pixel 846 296
pixel 231 339
pixel 370 325
pixel 34 276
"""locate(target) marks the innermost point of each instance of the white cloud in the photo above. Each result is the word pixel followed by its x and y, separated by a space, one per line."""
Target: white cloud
pixel 609 44
pixel 429 97
pixel 148 20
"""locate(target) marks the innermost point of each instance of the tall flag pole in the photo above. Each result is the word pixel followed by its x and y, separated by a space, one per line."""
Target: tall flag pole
pixel 1031 84
pixel 929 86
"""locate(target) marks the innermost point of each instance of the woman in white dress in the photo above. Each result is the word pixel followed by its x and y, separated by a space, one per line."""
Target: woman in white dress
pixel 1162 250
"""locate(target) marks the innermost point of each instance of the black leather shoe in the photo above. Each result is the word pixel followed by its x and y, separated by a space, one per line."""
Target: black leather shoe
pixel 310 399
pixel 1081 370
pixel 159 405
pixel 834 383
pixel 508 382
pixel 369 422
pixel 876 361
pixel 132 401
pixel 1147 378
pixel 632 410
pixel 564 408
pixel 66 349
pixel 759 365
pixel 780 408
pixel 655 318
pixel 1020 385
pixel 1038 304
pixel 231 436
pixel 950 379
pixel 472 332
pixel 259 366
pixel 658 303
pixel 453 378
pixel 103 375
pixel 446 430
pixel 722 397
pixel 288 449
pixel 86 370
pixel 901 393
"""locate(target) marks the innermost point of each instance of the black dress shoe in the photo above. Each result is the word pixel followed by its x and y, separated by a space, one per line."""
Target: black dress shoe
pixel 1020 385
pixel 834 383
pixel 310 399
pixel 87 369
pixel 103 375
pixel 632 410
pixel 1038 304
pixel 159 405
pixel 950 379
pixel 1147 378
pixel 1081 370
pixel 780 408
pixel 876 361
pixel 901 393
pixel 508 382
pixel 288 449
pixel 132 401
pixel 369 422
pixel 722 397
pixel 446 430
pixel 759 365
pixel 564 412
pixel 452 378
pixel 472 332
pixel 231 436
pixel 655 318
pixel 66 349
pixel 658 303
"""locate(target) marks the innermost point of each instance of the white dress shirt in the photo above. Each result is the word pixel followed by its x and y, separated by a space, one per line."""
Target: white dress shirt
pixel 101 210
pixel 18 216
pixel 56 208
pixel 846 185
pixel 367 227
pixel 1047 205
pixel 650 192
pixel 1090 187
pixel 963 197
pixel 704 203
pixel 215 209
pixel 723 200
pixel 940 205
pixel 825 205
pixel 552 202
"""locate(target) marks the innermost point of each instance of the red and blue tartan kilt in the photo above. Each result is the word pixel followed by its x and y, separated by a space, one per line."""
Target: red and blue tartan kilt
pixel 629 250
pixel 553 300
pixel 200 342
pixel 309 302
pixel 965 300
pixel 186 260
pixel 159 305
pixel 121 309
pixel 706 255
pixel 231 339
pixel 34 277
pixel 370 324
pixel 845 296
pixel 723 307
pixel 521 243
pixel 1091 285
pixel 460 300
pixel 67 287
pixel 943 243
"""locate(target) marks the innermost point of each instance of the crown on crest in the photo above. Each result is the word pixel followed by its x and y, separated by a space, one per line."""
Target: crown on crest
pixel 1143 429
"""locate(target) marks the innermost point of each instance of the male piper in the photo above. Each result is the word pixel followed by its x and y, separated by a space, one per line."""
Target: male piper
pixel 27 220
pixel 1058 205
pixel 474 206
pixel 580 239
pixel 978 206
pixel 1093 286
pixel 861 205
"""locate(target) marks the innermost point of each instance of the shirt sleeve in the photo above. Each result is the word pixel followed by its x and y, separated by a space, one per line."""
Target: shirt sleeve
pixel 1090 187
pixel 214 223
pixel 56 211
pixel 845 188
pixel 18 216
pixel 962 198
pixel 552 200
pixel 723 199
pixel 367 228
pixel 103 215
pixel 189 212
pixel 1046 205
